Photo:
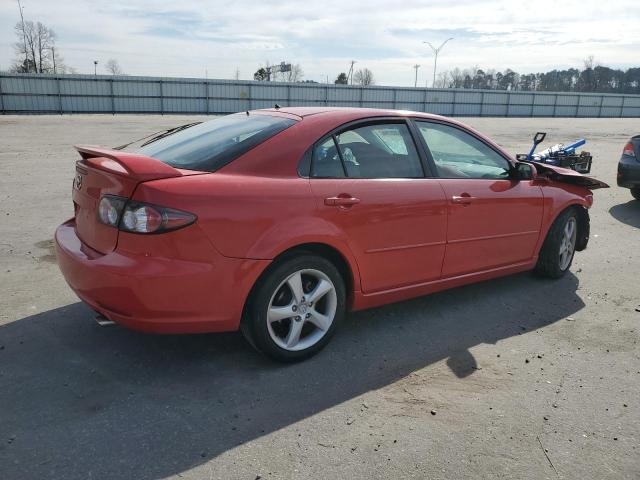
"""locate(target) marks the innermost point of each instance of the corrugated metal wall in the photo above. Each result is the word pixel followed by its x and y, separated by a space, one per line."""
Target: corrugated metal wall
pixel 107 94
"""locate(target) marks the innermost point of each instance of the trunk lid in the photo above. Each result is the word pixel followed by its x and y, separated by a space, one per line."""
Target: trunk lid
pixel 110 172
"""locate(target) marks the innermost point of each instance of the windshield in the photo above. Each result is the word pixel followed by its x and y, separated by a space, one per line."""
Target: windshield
pixel 210 145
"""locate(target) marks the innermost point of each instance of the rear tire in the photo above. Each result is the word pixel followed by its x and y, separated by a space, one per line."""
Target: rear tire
pixel 295 308
pixel 635 193
pixel 558 249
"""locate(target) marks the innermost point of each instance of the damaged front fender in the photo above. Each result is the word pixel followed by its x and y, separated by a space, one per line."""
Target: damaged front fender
pixel 565 175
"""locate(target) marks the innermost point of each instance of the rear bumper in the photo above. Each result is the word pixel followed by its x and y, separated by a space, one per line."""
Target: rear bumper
pixel 157 294
pixel 628 172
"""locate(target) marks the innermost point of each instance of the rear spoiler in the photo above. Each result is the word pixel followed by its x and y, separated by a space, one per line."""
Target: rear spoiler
pixel 566 175
pixel 140 167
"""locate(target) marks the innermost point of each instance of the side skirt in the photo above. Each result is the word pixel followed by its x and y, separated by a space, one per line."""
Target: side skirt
pixel 369 300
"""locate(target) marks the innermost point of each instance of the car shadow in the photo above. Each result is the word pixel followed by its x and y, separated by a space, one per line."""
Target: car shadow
pixel 628 213
pixel 81 401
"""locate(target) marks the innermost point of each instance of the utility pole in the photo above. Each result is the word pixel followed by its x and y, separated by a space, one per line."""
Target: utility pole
pixel 350 74
pixel 24 39
pixel 95 67
pixel 436 51
pixel 416 67
pixel 53 55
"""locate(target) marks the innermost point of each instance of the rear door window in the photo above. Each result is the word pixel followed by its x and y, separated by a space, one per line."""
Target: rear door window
pixel 326 160
pixel 372 151
pixel 210 145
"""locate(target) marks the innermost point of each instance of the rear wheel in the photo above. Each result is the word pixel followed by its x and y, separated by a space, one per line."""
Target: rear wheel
pixel 635 192
pixel 295 308
pixel 559 247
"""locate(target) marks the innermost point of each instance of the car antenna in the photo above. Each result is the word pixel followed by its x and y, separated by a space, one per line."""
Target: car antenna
pixel 277 106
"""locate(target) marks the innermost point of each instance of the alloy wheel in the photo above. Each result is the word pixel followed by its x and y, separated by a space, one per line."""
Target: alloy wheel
pixel 302 310
pixel 568 243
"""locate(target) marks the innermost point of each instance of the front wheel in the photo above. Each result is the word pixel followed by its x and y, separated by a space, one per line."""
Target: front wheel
pixel 295 308
pixel 635 192
pixel 559 247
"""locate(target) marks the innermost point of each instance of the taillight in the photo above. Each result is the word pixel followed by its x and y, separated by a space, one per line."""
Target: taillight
pixel 138 217
pixel 144 218
pixel 628 150
pixel 110 208
pixel 141 219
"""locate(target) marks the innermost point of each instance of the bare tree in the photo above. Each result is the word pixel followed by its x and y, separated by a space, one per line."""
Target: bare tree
pixel 364 76
pixel 456 78
pixel 113 67
pixel 589 62
pixel 34 48
pixel 45 40
pixel 442 80
pixel 587 81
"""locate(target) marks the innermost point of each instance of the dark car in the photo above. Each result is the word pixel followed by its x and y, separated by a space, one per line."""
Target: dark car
pixel 629 167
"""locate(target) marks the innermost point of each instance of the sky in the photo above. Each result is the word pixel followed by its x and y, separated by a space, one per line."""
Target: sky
pixel 189 38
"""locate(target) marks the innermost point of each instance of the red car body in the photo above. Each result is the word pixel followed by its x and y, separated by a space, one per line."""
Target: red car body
pixel 393 238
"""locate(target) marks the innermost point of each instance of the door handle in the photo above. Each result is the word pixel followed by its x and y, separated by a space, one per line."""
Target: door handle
pixel 464 199
pixel 343 200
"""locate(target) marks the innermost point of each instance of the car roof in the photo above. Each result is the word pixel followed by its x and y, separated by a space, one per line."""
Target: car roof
pixel 335 116
pixel 352 111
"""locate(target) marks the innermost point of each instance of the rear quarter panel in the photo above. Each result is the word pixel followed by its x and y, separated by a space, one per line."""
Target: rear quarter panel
pixel 238 212
pixel 246 216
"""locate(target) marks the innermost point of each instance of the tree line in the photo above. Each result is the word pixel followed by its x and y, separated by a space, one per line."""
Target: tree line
pixel 591 78
pixel 364 76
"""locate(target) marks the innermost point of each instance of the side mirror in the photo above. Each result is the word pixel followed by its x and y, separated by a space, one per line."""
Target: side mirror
pixel 524 171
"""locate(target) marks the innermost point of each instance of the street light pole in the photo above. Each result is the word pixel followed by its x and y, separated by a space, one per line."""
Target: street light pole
pixel 350 74
pixel 416 67
pixel 436 51
pixel 95 67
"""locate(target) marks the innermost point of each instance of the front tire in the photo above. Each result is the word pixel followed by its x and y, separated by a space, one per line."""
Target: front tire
pixel 635 193
pixel 556 254
pixel 295 308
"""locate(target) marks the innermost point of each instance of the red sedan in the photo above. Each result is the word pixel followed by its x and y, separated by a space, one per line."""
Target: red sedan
pixel 278 221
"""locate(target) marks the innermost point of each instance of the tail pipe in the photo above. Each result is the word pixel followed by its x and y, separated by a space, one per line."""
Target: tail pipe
pixel 103 321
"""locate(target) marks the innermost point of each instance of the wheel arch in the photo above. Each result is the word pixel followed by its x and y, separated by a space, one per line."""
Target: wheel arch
pixel 343 261
pixel 332 254
pixel 584 228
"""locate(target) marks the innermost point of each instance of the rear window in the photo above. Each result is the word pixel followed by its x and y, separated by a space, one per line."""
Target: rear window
pixel 213 144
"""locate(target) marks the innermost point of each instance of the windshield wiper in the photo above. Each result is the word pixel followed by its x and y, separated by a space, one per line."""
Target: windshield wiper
pixel 158 135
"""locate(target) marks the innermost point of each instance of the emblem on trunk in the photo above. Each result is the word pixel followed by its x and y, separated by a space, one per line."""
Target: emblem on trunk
pixel 77 182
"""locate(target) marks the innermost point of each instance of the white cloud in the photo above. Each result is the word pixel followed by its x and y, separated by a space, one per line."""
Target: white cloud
pixel 160 37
